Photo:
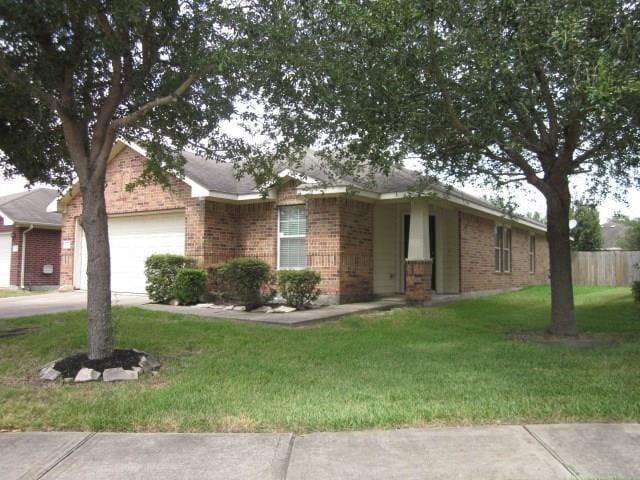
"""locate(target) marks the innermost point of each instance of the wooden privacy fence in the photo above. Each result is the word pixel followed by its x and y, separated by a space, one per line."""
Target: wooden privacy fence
pixel 612 268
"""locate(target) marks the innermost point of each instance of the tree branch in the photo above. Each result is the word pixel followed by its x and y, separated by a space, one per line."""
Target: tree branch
pixel 158 102
pixel 547 98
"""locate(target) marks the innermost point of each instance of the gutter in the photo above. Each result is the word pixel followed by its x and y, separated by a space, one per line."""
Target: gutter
pixel 24 251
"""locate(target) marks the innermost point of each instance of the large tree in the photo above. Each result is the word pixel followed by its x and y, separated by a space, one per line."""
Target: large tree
pixel 631 238
pixel 503 90
pixel 587 233
pixel 77 74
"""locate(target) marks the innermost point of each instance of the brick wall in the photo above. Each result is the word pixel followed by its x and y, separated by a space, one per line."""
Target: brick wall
pixel 356 250
pixel 477 267
pixel 43 248
pixel 211 231
pixel 323 243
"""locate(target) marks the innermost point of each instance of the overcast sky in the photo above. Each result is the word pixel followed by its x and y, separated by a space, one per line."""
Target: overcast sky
pixel 528 199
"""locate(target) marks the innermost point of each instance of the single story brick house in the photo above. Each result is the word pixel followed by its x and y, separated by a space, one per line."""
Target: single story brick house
pixel 364 241
pixel 29 240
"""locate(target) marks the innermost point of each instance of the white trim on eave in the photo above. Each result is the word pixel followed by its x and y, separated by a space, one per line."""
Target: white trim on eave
pixel 6 220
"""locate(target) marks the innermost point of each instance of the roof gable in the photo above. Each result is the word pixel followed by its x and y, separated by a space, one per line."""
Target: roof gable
pixel 30 208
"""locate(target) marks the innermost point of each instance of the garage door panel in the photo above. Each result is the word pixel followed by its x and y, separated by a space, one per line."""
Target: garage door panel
pixel 5 259
pixel 133 239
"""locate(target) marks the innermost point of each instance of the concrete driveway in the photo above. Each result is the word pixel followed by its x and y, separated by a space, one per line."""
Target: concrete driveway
pixel 541 452
pixel 57 302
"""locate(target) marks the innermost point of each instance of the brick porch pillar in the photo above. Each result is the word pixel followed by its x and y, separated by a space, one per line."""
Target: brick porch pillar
pixel 418 280
pixel 418 266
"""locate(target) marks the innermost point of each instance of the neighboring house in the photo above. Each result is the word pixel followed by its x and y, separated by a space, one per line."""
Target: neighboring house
pixel 363 240
pixel 612 233
pixel 29 240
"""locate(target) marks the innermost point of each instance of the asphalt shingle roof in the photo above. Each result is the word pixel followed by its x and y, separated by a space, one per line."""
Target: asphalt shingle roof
pixel 30 207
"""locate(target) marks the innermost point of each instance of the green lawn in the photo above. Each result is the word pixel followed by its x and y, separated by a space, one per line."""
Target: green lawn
pixel 455 364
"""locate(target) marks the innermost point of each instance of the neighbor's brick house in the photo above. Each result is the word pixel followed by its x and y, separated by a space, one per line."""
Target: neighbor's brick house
pixel 27 228
pixel 362 240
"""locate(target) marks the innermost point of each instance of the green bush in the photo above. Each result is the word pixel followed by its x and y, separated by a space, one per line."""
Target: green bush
pixel 298 287
pixel 635 290
pixel 245 280
pixel 160 272
pixel 189 286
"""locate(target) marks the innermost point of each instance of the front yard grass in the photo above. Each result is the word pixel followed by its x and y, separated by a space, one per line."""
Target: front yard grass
pixel 454 364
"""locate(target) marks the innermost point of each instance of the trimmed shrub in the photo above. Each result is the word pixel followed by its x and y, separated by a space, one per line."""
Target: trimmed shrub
pixel 635 290
pixel 298 287
pixel 215 281
pixel 160 272
pixel 245 280
pixel 189 286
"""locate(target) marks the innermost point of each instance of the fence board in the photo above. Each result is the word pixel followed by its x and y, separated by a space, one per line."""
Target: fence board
pixel 612 268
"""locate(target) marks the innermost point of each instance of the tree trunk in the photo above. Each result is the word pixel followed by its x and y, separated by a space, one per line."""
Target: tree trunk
pixel 94 223
pixel 563 320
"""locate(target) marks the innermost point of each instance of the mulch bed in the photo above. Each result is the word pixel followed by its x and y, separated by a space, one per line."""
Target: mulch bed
pixel 70 366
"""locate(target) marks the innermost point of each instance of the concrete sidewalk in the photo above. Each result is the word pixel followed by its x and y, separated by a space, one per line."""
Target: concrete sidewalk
pixel 485 452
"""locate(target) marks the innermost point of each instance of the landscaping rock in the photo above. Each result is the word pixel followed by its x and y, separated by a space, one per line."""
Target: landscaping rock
pixel 263 309
pixel 119 375
pixel 175 302
pixel 240 308
pixel 229 307
pixel 87 375
pixel 284 309
pixel 49 373
pixel 149 363
pixel 138 369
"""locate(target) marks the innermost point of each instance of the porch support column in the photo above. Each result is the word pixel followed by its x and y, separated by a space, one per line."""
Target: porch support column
pixel 419 266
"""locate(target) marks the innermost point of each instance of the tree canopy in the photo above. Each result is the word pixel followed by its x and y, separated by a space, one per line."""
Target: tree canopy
pixel 631 238
pixel 587 234
pixel 76 74
pixel 500 91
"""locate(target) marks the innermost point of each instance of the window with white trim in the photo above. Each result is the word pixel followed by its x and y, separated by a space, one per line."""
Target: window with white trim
pixel 292 233
pixel 532 254
pixel 506 251
pixel 502 249
pixel 499 237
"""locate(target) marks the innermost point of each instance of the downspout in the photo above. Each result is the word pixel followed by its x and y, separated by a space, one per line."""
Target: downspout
pixel 24 251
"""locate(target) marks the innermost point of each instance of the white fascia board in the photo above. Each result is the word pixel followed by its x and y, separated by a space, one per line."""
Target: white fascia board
pixel 452 197
pixel 6 221
pixel 287 172
pixel 251 197
pixel 328 191
pixel 54 206
pixel 133 146
pixel 197 190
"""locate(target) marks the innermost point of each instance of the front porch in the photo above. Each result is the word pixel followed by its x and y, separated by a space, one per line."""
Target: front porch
pixel 416 249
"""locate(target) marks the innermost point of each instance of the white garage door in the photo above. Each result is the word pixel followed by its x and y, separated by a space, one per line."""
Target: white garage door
pixel 5 259
pixel 133 239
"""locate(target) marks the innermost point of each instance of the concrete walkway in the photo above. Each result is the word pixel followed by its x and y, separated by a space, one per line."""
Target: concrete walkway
pixel 314 315
pixel 486 452
pixel 57 302
pixel 298 318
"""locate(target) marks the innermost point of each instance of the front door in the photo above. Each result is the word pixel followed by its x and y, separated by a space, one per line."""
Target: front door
pixel 432 246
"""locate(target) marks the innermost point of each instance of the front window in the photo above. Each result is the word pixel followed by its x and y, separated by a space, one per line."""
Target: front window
pixel 292 232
